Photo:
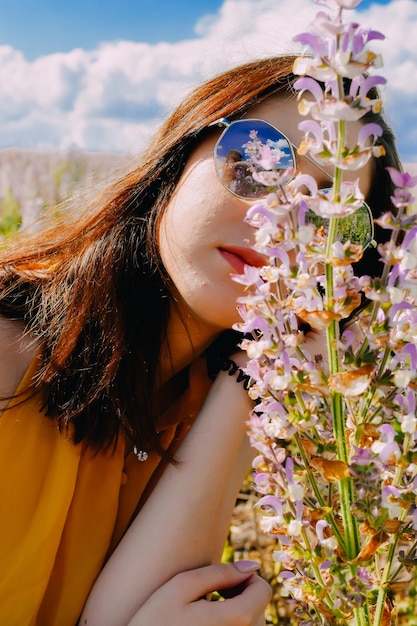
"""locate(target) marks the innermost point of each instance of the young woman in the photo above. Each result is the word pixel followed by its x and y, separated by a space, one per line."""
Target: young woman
pixel 121 458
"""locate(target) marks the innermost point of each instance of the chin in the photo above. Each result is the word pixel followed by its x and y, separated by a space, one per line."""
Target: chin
pixel 227 322
pixel 222 321
pixel 216 310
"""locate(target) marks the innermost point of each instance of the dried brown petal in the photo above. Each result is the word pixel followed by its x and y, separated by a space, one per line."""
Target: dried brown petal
pixel 331 470
pixel 325 612
pixel 318 514
pixel 387 614
pixel 354 253
pixel 392 526
pixel 309 446
pixel 319 320
pixel 400 585
pixel 310 389
pixel 381 340
pixel 369 434
pixel 352 383
pixel 349 304
pixel 371 547
pixel 367 529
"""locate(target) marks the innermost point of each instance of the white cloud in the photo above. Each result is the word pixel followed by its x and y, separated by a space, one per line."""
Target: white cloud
pixel 112 97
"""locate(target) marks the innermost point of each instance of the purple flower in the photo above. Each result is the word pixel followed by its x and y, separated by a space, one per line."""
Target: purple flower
pixel 365 577
pixel 401 179
pixel 402 198
pixel 364 85
pixel 368 466
pixel 362 456
pixel 366 131
pixel 309 84
pixel 390 500
pixel 272 510
pixel 327 542
pixel 408 354
pixel 387 448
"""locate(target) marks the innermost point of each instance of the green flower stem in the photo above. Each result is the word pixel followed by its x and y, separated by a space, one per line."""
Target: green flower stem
pixel 346 487
pixel 384 361
pixel 383 588
pixel 337 406
pixel 316 489
pixel 328 599
pixel 345 484
pixel 351 531
pixel 362 616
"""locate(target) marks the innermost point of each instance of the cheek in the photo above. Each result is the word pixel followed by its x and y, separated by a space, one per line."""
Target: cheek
pixel 194 201
pixel 170 242
pixel 183 230
pixel 365 178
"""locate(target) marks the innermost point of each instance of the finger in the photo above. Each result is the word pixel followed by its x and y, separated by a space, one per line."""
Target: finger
pixel 197 583
pixel 231 592
pixel 251 603
pixel 244 566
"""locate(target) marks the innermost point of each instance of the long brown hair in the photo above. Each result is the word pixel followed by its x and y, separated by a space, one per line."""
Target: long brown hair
pixel 92 288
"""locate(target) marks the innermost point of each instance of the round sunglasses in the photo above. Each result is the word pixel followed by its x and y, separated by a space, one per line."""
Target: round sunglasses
pixel 253 158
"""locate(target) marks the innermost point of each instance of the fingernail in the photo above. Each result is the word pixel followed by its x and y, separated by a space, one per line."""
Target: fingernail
pixel 247 566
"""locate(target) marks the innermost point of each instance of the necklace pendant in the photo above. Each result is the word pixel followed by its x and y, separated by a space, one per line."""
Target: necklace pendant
pixel 141 455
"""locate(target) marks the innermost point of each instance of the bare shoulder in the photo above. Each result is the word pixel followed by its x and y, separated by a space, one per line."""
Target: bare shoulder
pixel 17 350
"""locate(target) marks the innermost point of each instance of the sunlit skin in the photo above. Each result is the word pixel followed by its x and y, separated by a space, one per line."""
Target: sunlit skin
pixel 203 236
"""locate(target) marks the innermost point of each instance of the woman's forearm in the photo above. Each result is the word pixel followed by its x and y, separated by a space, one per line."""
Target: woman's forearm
pixel 184 522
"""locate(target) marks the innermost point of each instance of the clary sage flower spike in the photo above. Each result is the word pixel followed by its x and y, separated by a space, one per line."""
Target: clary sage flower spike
pixel 334 422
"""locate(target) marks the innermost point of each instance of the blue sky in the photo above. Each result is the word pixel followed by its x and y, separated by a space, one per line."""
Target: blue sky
pixel 101 75
pixel 47 26
pixel 42 27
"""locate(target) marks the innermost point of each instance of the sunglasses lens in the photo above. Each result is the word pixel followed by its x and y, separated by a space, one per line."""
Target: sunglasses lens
pixel 249 156
pixel 357 228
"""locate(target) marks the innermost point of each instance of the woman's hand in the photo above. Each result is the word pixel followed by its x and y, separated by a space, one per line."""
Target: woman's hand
pixel 181 601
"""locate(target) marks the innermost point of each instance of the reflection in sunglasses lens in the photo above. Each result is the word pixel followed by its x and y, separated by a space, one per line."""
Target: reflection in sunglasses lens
pixel 356 228
pixel 246 153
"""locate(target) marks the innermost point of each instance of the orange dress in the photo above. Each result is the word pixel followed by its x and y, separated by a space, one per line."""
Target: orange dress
pixel 64 509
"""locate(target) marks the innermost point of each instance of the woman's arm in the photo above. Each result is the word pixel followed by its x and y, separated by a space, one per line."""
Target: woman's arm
pixel 181 601
pixel 184 523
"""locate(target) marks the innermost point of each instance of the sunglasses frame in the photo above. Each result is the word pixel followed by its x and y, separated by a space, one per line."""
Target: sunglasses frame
pixel 370 242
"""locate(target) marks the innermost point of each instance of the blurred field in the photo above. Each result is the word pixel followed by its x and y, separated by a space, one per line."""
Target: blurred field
pixel 31 181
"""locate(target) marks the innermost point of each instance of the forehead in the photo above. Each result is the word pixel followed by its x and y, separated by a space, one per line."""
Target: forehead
pixel 282 111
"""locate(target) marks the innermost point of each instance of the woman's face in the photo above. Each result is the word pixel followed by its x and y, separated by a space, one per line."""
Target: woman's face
pixel 203 236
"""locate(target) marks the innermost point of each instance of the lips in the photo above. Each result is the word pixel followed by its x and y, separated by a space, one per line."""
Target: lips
pixel 238 257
